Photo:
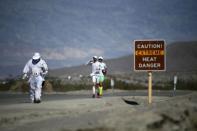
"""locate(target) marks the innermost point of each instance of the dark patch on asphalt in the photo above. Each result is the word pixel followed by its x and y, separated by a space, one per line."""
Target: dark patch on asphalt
pixel 130 102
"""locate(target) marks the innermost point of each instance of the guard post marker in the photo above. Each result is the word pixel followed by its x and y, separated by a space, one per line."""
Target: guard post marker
pixel 149 87
pixel 149 56
pixel 112 85
pixel 175 82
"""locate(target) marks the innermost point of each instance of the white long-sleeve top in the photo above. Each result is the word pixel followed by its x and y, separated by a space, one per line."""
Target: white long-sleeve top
pixel 102 67
pixel 96 68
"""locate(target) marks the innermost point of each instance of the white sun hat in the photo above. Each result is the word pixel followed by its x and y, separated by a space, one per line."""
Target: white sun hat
pixel 100 58
pixel 36 56
pixel 95 57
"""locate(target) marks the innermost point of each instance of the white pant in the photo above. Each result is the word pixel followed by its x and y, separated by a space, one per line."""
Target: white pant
pixel 35 87
pixel 95 79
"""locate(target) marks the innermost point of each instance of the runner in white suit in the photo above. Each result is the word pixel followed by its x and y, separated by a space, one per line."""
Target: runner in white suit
pixel 36 68
pixel 95 74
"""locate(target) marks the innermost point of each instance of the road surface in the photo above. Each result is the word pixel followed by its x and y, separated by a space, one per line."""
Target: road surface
pixel 14 98
pixel 77 111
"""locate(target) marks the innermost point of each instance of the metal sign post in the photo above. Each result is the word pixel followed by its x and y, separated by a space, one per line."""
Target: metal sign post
pixel 149 55
pixel 112 85
pixel 175 82
pixel 149 87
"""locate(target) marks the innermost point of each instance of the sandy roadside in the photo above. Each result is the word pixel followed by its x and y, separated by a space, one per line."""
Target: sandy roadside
pixel 111 113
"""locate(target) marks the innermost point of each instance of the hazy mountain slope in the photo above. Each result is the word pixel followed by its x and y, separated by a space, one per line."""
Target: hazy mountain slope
pixel 10 71
pixel 117 65
pixel 181 56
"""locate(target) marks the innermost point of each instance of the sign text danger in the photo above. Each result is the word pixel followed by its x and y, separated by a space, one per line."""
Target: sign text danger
pixel 149 55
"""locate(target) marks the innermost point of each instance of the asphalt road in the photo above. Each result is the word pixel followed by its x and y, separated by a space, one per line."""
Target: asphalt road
pixel 14 98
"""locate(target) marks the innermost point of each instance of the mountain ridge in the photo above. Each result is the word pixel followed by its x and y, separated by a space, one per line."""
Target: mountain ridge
pixel 180 57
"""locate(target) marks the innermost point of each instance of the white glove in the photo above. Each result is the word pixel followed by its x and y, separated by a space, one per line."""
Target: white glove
pixel 43 74
pixel 24 76
pixel 89 62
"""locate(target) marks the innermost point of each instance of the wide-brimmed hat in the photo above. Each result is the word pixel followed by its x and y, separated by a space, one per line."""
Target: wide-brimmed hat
pixel 36 56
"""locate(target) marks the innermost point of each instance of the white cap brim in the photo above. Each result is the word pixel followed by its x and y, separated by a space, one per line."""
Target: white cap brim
pixel 35 57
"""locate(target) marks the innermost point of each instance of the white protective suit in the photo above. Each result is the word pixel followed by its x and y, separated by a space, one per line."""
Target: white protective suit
pixel 36 77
